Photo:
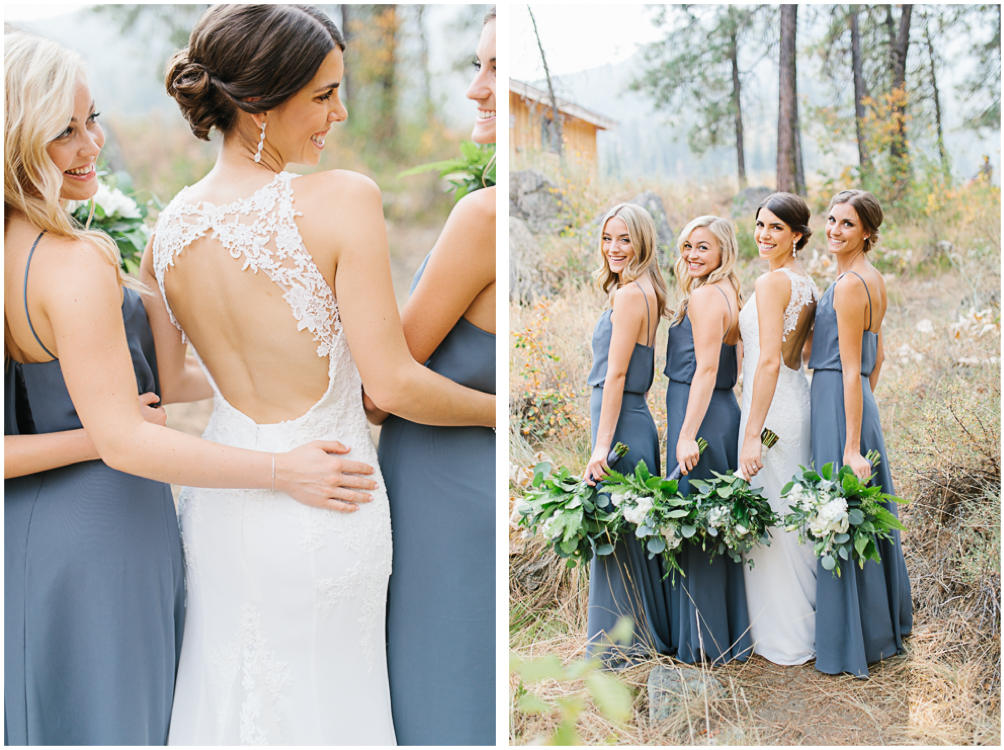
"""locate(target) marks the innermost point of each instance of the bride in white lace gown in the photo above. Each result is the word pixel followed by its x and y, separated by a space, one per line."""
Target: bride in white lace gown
pixel 282 285
pixel 774 324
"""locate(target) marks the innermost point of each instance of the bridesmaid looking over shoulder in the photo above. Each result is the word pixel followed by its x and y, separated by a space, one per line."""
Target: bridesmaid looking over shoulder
pixel 863 615
pixel 93 576
pixel 707 604
pixel 625 582
pixel 441 480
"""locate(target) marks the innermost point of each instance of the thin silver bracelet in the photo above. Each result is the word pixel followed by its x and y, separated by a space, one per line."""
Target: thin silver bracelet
pixel 273 473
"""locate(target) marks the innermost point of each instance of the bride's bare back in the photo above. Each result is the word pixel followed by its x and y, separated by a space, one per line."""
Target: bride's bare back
pixel 251 298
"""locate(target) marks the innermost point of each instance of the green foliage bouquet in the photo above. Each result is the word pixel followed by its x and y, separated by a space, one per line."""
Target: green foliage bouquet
pixel 572 515
pixel 731 516
pixel 115 211
pixel 472 170
pixel 840 514
pixel 661 515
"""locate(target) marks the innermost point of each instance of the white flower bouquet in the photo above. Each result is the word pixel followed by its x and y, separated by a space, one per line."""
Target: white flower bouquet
pixel 732 517
pixel 577 519
pixel 840 514
pixel 114 211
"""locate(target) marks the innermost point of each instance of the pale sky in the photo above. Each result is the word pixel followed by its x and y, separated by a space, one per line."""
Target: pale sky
pixel 576 37
pixel 35 11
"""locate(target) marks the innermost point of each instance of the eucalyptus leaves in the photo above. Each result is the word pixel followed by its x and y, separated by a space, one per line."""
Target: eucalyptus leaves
pixel 840 514
pixel 574 518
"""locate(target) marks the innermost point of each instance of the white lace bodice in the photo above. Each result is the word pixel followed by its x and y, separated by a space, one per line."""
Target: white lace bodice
pixel 261 229
pixel 284 629
pixel 803 293
pixel 788 415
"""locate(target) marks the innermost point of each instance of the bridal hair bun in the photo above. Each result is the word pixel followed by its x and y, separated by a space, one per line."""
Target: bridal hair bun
pixel 247 57
pixel 869 212
pixel 793 211
pixel 191 85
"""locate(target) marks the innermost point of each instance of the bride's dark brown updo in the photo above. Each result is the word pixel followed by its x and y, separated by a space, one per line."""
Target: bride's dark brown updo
pixel 249 57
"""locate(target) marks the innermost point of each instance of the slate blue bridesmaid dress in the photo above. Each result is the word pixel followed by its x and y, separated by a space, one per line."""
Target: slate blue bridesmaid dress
pixel 626 582
pixel 863 615
pixel 712 592
pixel 93 578
pixel 441 602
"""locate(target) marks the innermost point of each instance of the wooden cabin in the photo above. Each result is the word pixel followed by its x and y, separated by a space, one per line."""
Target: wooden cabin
pixel 531 117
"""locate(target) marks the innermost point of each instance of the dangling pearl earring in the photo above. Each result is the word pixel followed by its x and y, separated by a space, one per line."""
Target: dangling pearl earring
pixel 261 143
pixel 792 246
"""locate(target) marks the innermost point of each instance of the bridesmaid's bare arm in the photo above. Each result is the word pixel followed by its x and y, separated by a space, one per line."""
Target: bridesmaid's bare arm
pixel 458 281
pixel 30 454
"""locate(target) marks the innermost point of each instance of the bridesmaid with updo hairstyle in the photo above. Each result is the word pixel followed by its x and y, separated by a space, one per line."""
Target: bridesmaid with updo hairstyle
pixel 626 582
pixel 863 615
pixel 708 611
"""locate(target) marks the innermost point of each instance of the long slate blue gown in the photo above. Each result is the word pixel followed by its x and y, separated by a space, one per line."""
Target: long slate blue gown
pixel 626 582
pixel 441 602
pixel 712 592
pixel 93 578
pixel 863 615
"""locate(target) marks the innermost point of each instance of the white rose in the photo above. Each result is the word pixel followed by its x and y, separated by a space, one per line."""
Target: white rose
pixel 619 497
pixel 741 530
pixel 636 514
pixel 115 203
pixel 830 517
pixel 718 516
pixel 672 537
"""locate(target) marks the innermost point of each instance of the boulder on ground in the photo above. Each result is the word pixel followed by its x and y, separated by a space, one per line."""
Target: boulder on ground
pixel 525 277
pixel 534 199
pixel 745 202
pixel 670 689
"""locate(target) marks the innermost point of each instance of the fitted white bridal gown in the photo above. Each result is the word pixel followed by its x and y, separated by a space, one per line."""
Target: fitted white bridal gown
pixel 781 588
pixel 284 631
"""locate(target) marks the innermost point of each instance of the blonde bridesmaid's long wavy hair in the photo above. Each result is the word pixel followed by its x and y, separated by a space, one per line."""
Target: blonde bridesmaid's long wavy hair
pixel 40 81
pixel 729 247
pixel 641 230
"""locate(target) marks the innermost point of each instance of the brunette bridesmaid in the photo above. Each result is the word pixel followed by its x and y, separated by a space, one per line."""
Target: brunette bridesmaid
pixel 863 615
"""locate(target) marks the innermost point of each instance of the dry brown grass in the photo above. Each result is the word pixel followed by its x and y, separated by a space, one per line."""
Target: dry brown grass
pixel 939 397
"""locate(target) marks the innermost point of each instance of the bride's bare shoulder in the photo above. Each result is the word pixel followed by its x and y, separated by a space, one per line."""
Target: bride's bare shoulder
pixel 347 188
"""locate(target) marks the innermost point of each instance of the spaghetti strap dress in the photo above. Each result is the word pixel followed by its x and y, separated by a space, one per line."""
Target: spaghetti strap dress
pixel 441 600
pixel 863 615
pixel 626 582
pixel 93 577
pixel 708 609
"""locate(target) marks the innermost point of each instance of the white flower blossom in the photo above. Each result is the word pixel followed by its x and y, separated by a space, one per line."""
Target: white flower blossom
pixel 831 516
pixel 718 516
pixel 672 536
pixel 741 530
pixel 116 203
pixel 636 514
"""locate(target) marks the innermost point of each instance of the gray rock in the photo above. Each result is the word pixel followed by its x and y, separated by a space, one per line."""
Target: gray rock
pixel 744 202
pixel 534 199
pixel 670 688
pixel 652 203
pixel 525 277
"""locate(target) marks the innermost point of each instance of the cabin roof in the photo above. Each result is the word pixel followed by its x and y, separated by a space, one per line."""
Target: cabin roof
pixel 534 94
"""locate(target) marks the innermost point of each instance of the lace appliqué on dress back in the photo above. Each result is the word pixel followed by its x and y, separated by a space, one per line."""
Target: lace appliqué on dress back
pixel 803 292
pixel 263 230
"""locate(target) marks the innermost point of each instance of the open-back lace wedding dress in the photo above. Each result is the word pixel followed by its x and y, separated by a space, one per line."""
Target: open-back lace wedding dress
pixel 781 588
pixel 284 632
